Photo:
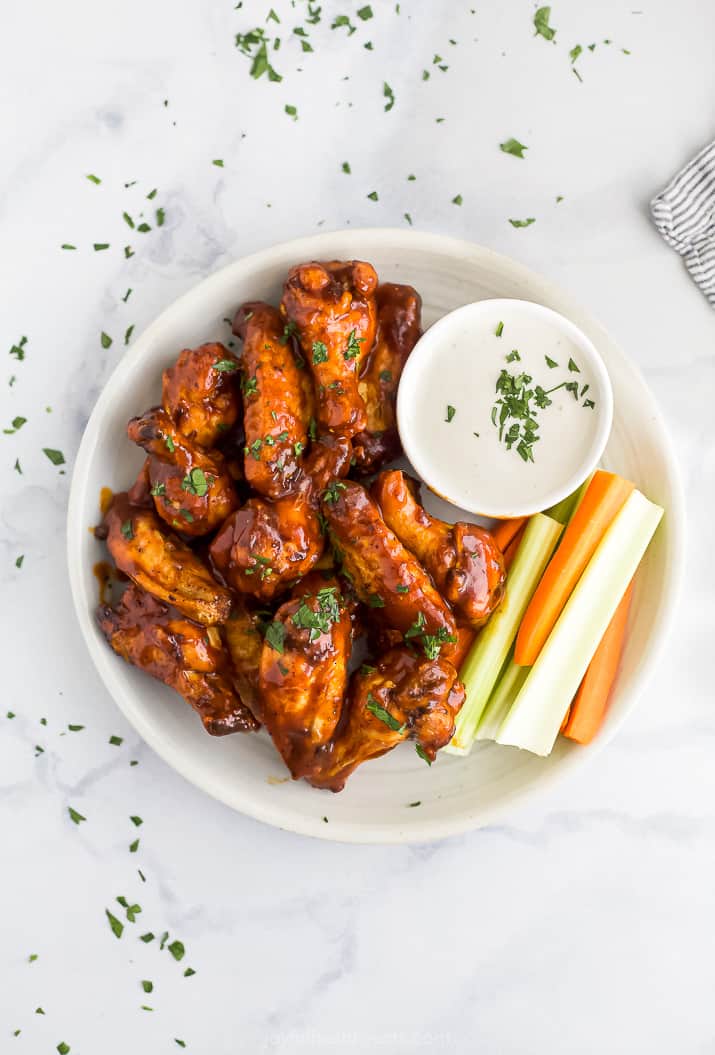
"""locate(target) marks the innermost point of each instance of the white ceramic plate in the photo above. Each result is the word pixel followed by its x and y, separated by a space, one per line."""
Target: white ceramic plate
pixel 455 794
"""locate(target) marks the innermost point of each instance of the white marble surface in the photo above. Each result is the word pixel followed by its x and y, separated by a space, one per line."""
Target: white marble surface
pixel 585 924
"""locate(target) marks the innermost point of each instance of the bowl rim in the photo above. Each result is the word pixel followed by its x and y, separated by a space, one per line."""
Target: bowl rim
pixel 429 345
pixel 303 824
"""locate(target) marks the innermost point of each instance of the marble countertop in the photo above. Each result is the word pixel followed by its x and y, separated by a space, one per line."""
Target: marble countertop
pixel 584 923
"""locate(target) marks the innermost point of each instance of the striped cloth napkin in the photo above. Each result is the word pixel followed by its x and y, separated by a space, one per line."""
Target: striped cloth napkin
pixel 684 213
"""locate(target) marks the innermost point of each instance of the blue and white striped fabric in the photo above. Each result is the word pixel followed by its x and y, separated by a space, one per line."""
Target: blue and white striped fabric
pixel 684 213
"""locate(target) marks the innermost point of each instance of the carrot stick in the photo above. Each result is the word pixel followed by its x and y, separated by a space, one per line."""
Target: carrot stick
pixel 505 530
pixel 591 701
pixel 603 499
pixel 465 638
pixel 510 551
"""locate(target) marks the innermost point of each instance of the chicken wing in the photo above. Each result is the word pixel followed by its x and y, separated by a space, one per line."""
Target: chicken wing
pixel 303 674
pixel 332 308
pixel 265 546
pixel 245 643
pixel 277 400
pixel 162 564
pixel 405 696
pixel 384 574
pixel 463 559
pixel 200 393
pixel 188 658
pixel 399 317
pixel 191 486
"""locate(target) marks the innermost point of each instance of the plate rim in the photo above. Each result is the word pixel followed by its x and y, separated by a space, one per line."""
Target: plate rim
pixel 356 832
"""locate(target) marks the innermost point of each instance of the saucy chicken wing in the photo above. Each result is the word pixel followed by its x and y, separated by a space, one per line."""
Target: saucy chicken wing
pixel 245 643
pixel 277 400
pixel 405 696
pixel 303 674
pixel 265 546
pixel 384 574
pixel 463 559
pixel 162 564
pixel 332 308
pixel 200 393
pixel 191 487
pixel 399 318
pixel 187 657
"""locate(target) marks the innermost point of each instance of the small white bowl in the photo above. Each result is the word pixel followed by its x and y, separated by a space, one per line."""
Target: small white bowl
pixel 458 360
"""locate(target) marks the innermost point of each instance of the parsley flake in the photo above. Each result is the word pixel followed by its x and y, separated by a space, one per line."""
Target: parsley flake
pixel 514 147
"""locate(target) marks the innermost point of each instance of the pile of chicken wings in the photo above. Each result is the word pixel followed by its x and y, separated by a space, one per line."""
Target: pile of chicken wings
pixel 264 540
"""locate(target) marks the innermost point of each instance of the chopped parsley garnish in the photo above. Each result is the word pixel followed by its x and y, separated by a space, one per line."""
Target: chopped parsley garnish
pixel 499 330
pixel 289 330
pixel 589 403
pixel 275 636
pixel 423 754
pixel 353 348
pixel 128 334
pixel 99 246
pixel 298 448
pixel 367 669
pixel 451 411
pixel 292 111
pixel 523 223
pixel 225 366
pixel 514 147
pixel 105 339
pixel 312 429
pixel 189 972
pixel 457 199
pixel 63 1048
pixel 116 741
pixel 133 847
pixel 128 220
pixel 318 621
pixel 254 449
pixel 346 167
pixel 332 492
pixel 92 178
pixel 551 363
pixel 18 350
pixel 19 560
pixel 386 376
pixel 431 643
pixel 136 821
pixel 379 711
pixel 76 817
pixel 513 357
pixel 116 926
pixel 408 218
pixel 389 95
pixel 160 217
pixel 402 589
pixel 66 245
pixel 17 423
pixel 146 938
pixel 218 162
pixel 375 601
pixel 158 489
pixel 127 530
pixel 73 728
pixel 541 23
pixel 320 353
pixel 195 482
pixel 575 52
pixel 177 950
pixel 573 369
pixel 147 986
pixel 365 12
pixel 373 195
pixel 254 45
pixel 343 20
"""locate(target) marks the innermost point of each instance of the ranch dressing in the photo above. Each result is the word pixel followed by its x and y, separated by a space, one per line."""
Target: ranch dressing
pixel 474 410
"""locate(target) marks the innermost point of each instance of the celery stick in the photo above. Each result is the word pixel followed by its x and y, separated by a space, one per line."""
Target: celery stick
pixel 565 509
pixel 481 668
pixel 500 701
pixel 535 716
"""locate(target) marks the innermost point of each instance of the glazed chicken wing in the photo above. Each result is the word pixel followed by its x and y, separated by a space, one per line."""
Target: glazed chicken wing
pixel 405 696
pixel 399 320
pixel 277 401
pixel 245 643
pixel 332 307
pixel 200 393
pixel 463 559
pixel 187 657
pixel 384 574
pixel 265 546
pixel 162 564
pixel 303 674
pixel 191 486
